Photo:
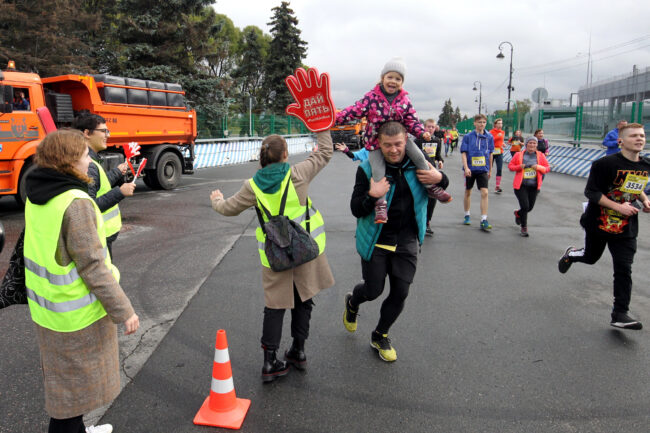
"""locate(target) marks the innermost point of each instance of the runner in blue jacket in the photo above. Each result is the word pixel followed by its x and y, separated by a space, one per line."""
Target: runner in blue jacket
pixel 476 151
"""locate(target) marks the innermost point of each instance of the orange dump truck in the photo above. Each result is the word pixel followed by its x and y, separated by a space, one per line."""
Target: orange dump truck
pixel 350 133
pixel 151 113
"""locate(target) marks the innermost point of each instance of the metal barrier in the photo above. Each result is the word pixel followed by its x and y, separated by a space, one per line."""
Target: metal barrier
pixel 226 151
pixel 570 160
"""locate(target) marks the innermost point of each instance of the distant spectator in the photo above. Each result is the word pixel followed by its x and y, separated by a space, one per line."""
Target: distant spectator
pixel 20 103
pixel 611 139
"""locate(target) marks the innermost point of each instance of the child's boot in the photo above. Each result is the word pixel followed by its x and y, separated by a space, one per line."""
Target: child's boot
pixel 434 191
pixel 381 212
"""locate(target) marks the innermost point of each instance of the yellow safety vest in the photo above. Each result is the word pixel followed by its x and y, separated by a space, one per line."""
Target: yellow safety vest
pixel 293 210
pixel 112 216
pixel 57 296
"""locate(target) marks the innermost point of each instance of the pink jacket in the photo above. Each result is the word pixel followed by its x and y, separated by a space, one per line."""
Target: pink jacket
pixel 517 165
pixel 377 110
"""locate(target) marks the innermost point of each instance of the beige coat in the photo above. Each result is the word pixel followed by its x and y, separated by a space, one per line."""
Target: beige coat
pixel 81 369
pixel 312 277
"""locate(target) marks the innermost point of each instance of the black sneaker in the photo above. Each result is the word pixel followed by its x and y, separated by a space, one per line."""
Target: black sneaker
pixel 622 320
pixel 429 232
pixel 349 315
pixel 565 262
pixel 517 218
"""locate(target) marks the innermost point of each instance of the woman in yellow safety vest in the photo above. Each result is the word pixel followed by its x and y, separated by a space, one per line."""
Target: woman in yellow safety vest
pixel 73 289
pixel 294 288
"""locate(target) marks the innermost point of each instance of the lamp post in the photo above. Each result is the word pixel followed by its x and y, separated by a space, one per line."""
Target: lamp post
pixel 501 56
pixel 480 94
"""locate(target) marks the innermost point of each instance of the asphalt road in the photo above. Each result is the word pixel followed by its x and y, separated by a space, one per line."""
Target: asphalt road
pixel 492 339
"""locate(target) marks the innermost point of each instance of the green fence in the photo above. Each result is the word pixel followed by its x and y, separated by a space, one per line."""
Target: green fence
pixel 255 125
pixel 510 123
pixel 590 122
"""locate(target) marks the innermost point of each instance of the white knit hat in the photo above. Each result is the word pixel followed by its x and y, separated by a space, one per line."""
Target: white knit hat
pixel 396 64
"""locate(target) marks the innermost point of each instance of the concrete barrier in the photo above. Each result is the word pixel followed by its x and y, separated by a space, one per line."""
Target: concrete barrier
pixel 227 151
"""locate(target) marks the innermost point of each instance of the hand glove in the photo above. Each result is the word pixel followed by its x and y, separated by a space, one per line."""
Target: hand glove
pixel 313 105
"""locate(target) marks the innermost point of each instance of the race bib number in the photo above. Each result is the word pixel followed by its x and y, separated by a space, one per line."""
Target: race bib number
pixel 478 161
pixel 634 184
pixel 431 150
pixel 530 173
pixel 497 151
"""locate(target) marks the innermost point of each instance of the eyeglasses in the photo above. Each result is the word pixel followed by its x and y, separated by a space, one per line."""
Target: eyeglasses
pixel 104 130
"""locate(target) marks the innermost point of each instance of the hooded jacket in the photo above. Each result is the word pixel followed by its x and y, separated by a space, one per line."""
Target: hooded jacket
pixel 476 145
pixel 376 108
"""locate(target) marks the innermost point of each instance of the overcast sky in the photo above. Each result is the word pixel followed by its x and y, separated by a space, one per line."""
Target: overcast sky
pixel 448 45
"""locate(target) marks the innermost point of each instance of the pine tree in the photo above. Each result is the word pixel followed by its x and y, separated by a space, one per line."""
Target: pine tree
pixel 47 37
pixel 254 50
pixel 447 115
pixel 286 53
pixel 457 116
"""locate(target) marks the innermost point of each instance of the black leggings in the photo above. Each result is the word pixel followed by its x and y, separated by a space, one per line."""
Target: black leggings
pixel 67 425
pixel 400 269
pixel 300 318
pixel 622 251
pixel 431 205
pixel 498 160
pixel 526 196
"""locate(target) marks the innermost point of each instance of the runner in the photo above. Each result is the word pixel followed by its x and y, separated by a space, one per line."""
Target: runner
pixel 454 139
pixel 542 143
pixel 527 165
pixel 515 142
pixel 385 102
pixel 498 135
pixel 433 149
pixel 615 185
pixel 476 151
pixel 389 249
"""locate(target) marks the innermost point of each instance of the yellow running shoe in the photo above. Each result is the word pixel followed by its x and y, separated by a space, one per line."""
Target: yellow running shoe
pixel 349 315
pixel 381 342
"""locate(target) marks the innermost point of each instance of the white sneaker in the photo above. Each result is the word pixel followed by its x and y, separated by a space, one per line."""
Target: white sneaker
pixel 104 428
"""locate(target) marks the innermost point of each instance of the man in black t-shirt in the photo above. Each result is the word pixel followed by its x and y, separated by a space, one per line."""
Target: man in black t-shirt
pixel 615 192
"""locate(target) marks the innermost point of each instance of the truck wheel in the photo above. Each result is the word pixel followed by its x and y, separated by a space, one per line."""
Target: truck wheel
pixel 21 196
pixel 150 179
pixel 168 170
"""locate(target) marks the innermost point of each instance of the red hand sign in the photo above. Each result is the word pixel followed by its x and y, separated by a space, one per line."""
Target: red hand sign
pixel 313 105
pixel 130 150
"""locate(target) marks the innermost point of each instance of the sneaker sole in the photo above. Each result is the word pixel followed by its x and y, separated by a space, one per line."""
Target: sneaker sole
pixel 636 326
pixel 380 355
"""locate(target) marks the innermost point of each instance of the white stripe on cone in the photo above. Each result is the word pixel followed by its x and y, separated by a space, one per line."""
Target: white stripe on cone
pixel 221 356
pixel 222 386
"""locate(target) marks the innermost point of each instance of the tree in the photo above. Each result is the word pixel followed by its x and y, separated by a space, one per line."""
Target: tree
pixel 286 53
pixel 224 46
pixel 446 118
pixel 457 116
pixel 254 51
pixel 47 37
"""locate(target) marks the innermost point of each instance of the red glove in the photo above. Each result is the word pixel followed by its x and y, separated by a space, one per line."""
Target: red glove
pixel 313 105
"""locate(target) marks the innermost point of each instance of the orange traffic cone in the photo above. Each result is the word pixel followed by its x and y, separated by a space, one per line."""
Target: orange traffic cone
pixel 222 408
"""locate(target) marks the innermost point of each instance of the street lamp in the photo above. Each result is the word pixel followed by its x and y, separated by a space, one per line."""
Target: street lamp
pixel 480 94
pixel 501 56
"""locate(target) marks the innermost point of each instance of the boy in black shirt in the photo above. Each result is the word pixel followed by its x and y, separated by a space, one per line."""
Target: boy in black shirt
pixel 614 189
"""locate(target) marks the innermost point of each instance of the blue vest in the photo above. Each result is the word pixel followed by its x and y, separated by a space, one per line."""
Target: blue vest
pixel 368 232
